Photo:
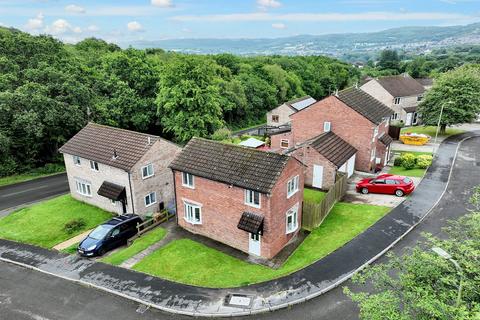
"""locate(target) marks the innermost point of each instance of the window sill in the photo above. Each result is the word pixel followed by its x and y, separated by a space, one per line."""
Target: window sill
pixel 151 204
pixel 292 194
pixel 192 222
pixel 145 178
pixel 187 186
pixel 253 205
pixel 292 231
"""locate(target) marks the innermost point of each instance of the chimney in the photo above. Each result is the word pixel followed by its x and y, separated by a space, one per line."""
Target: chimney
pixel 149 140
pixel 115 156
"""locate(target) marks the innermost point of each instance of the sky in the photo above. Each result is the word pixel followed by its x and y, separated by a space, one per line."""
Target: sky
pixel 127 21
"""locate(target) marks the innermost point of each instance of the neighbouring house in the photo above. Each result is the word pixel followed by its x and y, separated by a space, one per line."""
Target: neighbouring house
pixel 246 198
pixel 353 115
pixel 120 171
pixel 401 93
pixel 324 156
pixel 427 83
pixel 281 114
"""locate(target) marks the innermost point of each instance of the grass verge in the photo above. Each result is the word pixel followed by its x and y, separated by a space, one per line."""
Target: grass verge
pixel 175 260
pixel 48 170
pixel 431 130
pixel 401 171
pixel 43 224
pixel 71 250
pixel 140 244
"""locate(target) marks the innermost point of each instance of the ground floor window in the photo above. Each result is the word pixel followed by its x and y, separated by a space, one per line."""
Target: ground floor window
pixel 150 199
pixel 292 219
pixel 84 188
pixel 193 213
pixel 414 118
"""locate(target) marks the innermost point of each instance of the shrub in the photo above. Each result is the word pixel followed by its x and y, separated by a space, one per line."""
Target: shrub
pixel 74 225
pixel 408 160
pixel 424 161
pixel 398 162
pixel 221 134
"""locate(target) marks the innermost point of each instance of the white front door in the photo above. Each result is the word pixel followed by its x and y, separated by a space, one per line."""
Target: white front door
pixel 317 180
pixel 350 166
pixel 408 121
pixel 254 244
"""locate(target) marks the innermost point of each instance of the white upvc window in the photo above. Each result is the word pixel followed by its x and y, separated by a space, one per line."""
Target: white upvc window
pixel 375 133
pixel 83 187
pixel 188 180
pixel 292 219
pixel 77 161
pixel 327 126
pixel 397 100
pixel 193 213
pixel 150 199
pixel 292 186
pixel 147 171
pixel 252 198
pixel 284 143
pixel 94 165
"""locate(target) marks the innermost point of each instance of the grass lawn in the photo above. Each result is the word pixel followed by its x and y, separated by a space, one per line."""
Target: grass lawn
pixel 175 260
pixel 401 171
pixel 72 249
pixel 33 174
pixel 137 246
pixel 313 195
pixel 43 224
pixel 431 130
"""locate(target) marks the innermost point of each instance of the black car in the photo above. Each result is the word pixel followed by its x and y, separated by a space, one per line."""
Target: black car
pixel 110 235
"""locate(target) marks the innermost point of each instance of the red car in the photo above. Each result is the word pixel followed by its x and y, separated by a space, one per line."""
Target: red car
pixel 388 184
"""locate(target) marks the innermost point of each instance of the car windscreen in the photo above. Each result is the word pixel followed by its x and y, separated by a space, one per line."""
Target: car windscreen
pixel 100 232
pixel 407 180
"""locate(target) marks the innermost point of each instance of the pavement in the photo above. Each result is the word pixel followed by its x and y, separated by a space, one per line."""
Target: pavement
pixel 19 195
pixel 72 241
pixel 303 285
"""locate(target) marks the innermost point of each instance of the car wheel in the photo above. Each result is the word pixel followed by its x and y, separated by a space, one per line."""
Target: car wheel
pixel 101 252
pixel 364 190
pixel 399 193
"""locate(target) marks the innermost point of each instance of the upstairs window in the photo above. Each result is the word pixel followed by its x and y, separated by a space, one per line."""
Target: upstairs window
pixel 77 161
pixel 193 213
pixel 397 100
pixel 187 180
pixel 419 98
pixel 292 219
pixel 292 186
pixel 94 165
pixel 327 126
pixel 252 198
pixel 275 118
pixel 284 143
pixel 147 171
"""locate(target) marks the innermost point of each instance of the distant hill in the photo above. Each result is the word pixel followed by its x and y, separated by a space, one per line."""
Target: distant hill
pixel 410 39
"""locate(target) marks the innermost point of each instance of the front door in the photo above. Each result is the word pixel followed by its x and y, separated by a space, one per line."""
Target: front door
pixel 350 166
pixel 317 180
pixel 254 244
pixel 408 121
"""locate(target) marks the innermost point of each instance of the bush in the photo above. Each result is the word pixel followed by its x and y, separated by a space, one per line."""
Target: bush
pixel 408 161
pixel 424 161
pixel 221 134
pixel 397 162
pixel 74 225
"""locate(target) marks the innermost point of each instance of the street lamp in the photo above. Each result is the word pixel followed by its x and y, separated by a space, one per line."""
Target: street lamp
pixel 445 255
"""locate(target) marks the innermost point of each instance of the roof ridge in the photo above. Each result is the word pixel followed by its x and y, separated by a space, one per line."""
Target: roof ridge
pixel 121 129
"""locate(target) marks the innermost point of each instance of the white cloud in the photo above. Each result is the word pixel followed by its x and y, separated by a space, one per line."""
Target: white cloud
pixel 324 17
pixel 93 28
pixel 278 25
pixel 162 3
pixel 77 30
pixel 35 23
pixel 62 26
pixel 73 8
pixel 135 26
pixel 266 4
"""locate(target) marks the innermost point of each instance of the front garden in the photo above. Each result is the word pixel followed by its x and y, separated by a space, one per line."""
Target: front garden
pixel 431 130
pixel 51 222
pixel 412 164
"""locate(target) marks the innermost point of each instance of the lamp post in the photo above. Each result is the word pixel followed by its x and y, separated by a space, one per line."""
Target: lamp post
pixel 445 255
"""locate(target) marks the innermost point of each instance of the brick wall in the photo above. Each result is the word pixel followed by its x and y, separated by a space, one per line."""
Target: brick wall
pixel 223 205
pixel 276 139
pixel 309 157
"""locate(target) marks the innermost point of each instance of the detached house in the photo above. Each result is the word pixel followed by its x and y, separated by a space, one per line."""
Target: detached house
pixel 119 170
pixel 401 93
pixel 354 116
pixel 246 198
pixel 281 114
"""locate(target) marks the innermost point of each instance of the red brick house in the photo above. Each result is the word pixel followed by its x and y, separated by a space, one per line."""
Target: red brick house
pixel 353 115
pixel 246 198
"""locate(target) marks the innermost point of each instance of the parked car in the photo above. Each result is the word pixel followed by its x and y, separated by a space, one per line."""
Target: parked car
pixel 388 184
pixel 109 235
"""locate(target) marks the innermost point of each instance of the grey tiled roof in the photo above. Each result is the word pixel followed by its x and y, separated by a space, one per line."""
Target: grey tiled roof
pixel 365 104
pixel 385 139
pixel 97 142
pixel 425 81
pixel 332 147
pixel 240 166
pixel 251 222
pixel 111 191
pixel 401 86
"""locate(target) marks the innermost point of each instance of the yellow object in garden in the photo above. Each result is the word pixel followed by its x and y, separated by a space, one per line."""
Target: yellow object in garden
pixel 415 139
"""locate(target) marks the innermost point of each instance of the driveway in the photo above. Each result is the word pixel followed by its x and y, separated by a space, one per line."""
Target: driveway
pixel 23 193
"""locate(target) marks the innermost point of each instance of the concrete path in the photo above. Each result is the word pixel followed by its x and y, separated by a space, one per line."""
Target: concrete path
pixel 72 241
pixel 303 285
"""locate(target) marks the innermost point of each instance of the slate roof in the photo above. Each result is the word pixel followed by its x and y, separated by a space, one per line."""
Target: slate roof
pixel 111 191
pixel 426 82
pixel 231 164
pixel 365 104
pixel 251 222
pixel 385 139
pixel 401 86
pixel 332 147
pixel 301 103
pixel 97 142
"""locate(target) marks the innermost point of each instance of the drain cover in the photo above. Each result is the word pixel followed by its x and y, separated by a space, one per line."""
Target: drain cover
pixel 238 300
pixel 142 308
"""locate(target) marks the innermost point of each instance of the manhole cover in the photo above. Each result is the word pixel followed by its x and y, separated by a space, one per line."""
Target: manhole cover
pixel 142 308
pixel 238 300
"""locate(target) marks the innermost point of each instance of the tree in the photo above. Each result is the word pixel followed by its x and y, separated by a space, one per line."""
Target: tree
pixel 389 60
pixel 458 92
pixel 188 101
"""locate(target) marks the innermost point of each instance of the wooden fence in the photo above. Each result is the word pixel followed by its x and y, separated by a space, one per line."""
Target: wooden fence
pixel 314 213
pixel 150 224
